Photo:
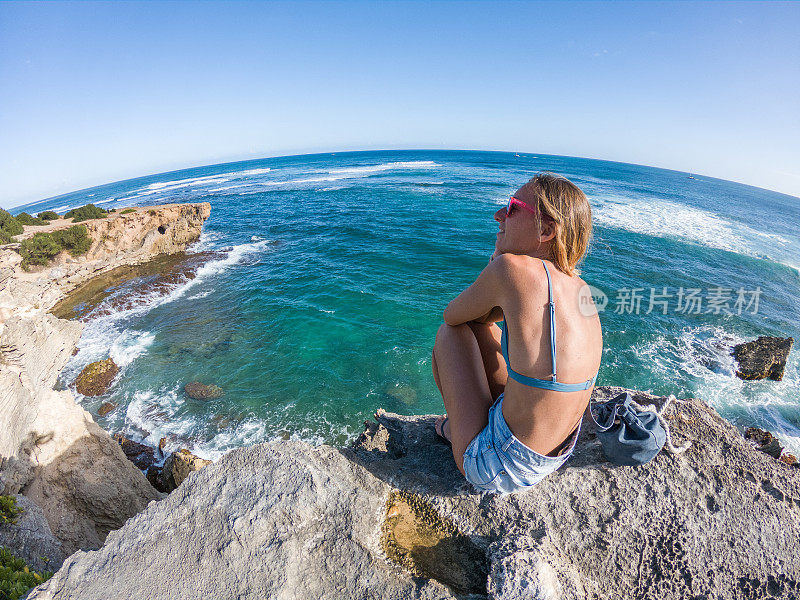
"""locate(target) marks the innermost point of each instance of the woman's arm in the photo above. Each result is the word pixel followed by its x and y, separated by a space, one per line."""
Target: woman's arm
pixel 480 300
pixel 493 316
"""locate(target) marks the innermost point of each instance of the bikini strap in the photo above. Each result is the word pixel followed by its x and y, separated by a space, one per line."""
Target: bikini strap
pixel 552 321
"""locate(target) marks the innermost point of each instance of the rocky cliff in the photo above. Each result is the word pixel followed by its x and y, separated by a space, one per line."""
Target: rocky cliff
pixel 391 517
pixel 51 450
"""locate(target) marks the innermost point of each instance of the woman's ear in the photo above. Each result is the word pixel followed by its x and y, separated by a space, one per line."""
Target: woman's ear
pixel 548 230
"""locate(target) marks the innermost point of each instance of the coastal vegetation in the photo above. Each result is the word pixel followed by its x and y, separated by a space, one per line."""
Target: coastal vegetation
pixel 48 215
pixel 127 210
pixel 85 212
pixel 43 247
pixel 9 510
pixel 9 227
pixel 27 219
pixel 16 578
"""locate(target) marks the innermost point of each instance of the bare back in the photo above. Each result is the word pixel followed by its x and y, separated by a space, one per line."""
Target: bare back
pixel 540 418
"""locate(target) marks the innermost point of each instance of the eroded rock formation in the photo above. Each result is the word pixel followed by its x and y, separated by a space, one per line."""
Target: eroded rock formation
pixel 762 358
pixel 391 517
pixel 51 450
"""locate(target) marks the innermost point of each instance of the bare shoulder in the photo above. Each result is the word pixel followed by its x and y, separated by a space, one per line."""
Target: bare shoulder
pixel 520 267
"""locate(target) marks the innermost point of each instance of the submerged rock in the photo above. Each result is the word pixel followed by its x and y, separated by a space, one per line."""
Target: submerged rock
pixel 762 358
pixel 200 391
pixel 96 377
pixel 105 408
pixel 391 517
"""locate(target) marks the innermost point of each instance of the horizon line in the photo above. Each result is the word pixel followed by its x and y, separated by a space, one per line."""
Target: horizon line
pixel 302 154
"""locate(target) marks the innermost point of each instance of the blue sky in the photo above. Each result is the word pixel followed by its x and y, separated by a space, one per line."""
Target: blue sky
pixel 97 92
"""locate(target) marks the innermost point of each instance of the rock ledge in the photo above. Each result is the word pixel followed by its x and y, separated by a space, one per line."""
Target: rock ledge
pixel 288 520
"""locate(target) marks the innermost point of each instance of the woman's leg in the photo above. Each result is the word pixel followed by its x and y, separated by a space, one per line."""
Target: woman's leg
pixel 488 336
pixel 459 372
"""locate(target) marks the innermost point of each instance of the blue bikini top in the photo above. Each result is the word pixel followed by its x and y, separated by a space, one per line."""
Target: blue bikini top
pixel 552 383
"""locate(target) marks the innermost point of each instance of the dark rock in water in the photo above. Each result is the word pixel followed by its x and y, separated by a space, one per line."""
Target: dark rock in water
pixel 142 455
pixel 105 408
pixel 764 441
pixel 154 477
pixel 762 358
pixel 96 377
pixel 200 391
pixel 177 468
pixel 789 459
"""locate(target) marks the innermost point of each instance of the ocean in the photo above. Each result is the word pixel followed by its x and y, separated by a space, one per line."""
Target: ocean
pixel 331 273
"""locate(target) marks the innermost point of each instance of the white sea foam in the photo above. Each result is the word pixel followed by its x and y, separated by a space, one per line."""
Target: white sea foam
pixel 160 185
pixel 411 164
pixel 206 241
pixel 356 172
pixel 130 345
pixel 198 295
pixel 252 172
pixel 109 333
pixel 663 218
pixel 153 414
pixel 175 184
pixel 225 188
pixel 699 357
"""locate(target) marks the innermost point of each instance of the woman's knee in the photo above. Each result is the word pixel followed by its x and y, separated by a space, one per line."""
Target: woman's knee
pixel 448 333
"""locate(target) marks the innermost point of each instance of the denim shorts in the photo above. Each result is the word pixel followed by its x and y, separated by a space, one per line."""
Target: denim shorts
pixel 496 461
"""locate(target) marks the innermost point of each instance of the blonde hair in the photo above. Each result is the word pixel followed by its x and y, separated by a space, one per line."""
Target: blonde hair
pixel 566 205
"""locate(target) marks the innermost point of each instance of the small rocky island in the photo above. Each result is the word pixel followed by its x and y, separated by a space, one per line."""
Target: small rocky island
pixel 388 517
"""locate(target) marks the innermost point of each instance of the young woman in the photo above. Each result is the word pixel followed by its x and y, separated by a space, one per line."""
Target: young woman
pixel 515 391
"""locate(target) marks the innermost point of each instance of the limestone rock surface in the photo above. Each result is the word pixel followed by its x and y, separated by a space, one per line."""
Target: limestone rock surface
pixel 51 450
pixel 288 520
pixel 30 538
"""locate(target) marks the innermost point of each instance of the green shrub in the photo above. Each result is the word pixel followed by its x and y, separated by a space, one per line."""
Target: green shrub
pixel 112 210
pixel 27 219
pixel 9 509
pixel 84 213
pixel 16 578
pixel 38 250
pixel 9 226
pixel 127 210
pixel 75 239
pixel 48 215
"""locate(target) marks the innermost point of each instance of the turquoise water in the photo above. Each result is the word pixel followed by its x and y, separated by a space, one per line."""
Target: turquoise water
pixel 336 269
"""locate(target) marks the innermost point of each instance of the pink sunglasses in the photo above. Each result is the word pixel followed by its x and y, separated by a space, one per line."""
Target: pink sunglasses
pixel 512 201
